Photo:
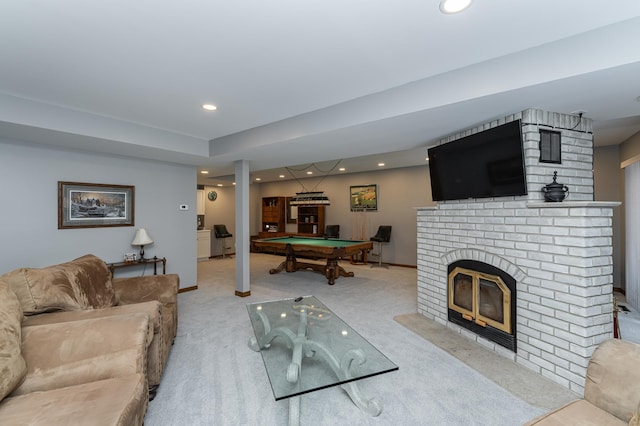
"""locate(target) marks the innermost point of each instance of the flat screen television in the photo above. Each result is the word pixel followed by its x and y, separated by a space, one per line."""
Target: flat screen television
pixel 486 164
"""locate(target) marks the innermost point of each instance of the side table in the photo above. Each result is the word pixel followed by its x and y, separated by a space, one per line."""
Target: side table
pixel 154 261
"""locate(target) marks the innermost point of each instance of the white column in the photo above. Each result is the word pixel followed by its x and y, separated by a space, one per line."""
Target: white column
pixel 632 233
pixel 242 234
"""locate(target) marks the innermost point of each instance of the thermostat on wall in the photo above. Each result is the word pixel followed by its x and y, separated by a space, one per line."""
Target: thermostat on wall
pixel 184 206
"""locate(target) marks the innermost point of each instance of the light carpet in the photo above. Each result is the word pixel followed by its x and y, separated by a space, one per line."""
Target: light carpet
pixel 213 378
pixel 628 320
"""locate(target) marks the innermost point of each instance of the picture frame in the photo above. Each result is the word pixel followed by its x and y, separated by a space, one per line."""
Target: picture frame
pixel 363 198
pixel 94 205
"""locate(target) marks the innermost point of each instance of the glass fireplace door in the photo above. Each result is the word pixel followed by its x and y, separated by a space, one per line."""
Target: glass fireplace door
pixel 482 298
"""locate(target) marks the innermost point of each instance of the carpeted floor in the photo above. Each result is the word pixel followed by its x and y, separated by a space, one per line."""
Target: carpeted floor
pixel 629 320
pixel 213 378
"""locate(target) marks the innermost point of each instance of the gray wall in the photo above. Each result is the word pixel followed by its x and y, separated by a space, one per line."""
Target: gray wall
pixel 30 237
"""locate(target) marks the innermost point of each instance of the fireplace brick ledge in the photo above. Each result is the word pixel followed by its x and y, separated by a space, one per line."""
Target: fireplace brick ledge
pixel 572 204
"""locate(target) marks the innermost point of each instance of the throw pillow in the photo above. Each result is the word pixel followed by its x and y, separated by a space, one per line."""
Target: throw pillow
pixel 94 279
pixel 13 368
pixel 83 283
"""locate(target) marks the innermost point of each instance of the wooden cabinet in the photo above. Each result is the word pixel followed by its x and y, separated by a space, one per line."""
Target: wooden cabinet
pixel 311 220
pixel 204 244
pixel 200 202
pixel 273 215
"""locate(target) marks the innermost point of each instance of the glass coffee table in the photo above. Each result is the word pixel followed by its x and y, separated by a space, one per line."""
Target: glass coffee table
pixel 305 347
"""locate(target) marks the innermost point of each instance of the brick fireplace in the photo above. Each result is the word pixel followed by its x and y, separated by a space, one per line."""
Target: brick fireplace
pixel 559 256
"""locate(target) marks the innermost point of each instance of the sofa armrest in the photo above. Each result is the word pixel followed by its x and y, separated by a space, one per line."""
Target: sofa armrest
pixel 163 288
pixel 613 378
pixel 578 412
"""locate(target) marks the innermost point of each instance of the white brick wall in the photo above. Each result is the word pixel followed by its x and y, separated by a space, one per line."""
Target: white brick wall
pixel 559 253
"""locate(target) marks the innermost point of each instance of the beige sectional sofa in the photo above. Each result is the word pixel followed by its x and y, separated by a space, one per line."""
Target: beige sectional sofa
pixel 78 347
pixel 611 392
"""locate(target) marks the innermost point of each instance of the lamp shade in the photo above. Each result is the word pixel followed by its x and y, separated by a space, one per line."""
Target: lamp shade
pixel 141 238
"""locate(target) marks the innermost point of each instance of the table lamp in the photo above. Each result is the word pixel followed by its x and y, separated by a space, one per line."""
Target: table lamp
pixel 141 239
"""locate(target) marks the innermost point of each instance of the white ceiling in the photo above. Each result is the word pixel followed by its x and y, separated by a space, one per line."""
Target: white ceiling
pixel 300 82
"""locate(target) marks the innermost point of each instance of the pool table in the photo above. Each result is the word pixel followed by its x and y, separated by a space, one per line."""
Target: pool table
pixel 326 248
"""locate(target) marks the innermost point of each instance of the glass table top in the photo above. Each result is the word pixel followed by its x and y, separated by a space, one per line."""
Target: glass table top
pixel 306 347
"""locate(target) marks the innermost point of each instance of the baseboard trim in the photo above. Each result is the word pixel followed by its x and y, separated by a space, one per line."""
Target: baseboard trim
pixel 219 256
pixel 370 262
pixel 185 289
pixel 243 293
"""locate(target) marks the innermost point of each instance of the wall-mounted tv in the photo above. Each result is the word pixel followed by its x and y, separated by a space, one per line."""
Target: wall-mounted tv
pixel 486 164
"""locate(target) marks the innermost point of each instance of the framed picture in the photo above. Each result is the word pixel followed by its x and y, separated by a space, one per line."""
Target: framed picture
pixel 93 205
pixel 364 198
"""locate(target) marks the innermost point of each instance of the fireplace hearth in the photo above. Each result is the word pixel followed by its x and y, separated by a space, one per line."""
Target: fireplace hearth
pixel 482 299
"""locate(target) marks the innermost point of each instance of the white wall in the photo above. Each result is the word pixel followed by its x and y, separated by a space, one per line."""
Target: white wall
pixel 29 176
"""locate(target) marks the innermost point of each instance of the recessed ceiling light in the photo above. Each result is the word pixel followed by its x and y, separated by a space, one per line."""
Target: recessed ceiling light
pixel 258 179
pixel 209 107
pixel 342 169
pixel 204 172
pixel 219 184
pixel 309 172
pixel 281 176
pixel 380 164
pixel 454 6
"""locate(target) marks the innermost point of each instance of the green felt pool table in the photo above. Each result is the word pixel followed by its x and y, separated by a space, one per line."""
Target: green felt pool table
pixel 326 248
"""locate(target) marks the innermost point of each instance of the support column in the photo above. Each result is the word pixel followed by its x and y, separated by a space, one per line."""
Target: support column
pixel 243 288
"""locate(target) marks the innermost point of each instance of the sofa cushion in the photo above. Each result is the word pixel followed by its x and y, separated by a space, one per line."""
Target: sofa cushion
pixel 13 368
pixel 76 352
pixel 153 309
pixel 120 401
pixel 82 283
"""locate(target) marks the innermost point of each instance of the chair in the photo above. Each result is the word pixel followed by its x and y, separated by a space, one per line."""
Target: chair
pixel 221 232
pixel 382 236
pixel 332 231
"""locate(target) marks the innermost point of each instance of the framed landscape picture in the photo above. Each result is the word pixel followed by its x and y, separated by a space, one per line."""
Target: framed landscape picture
pixel 364 198
pixel 93 205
